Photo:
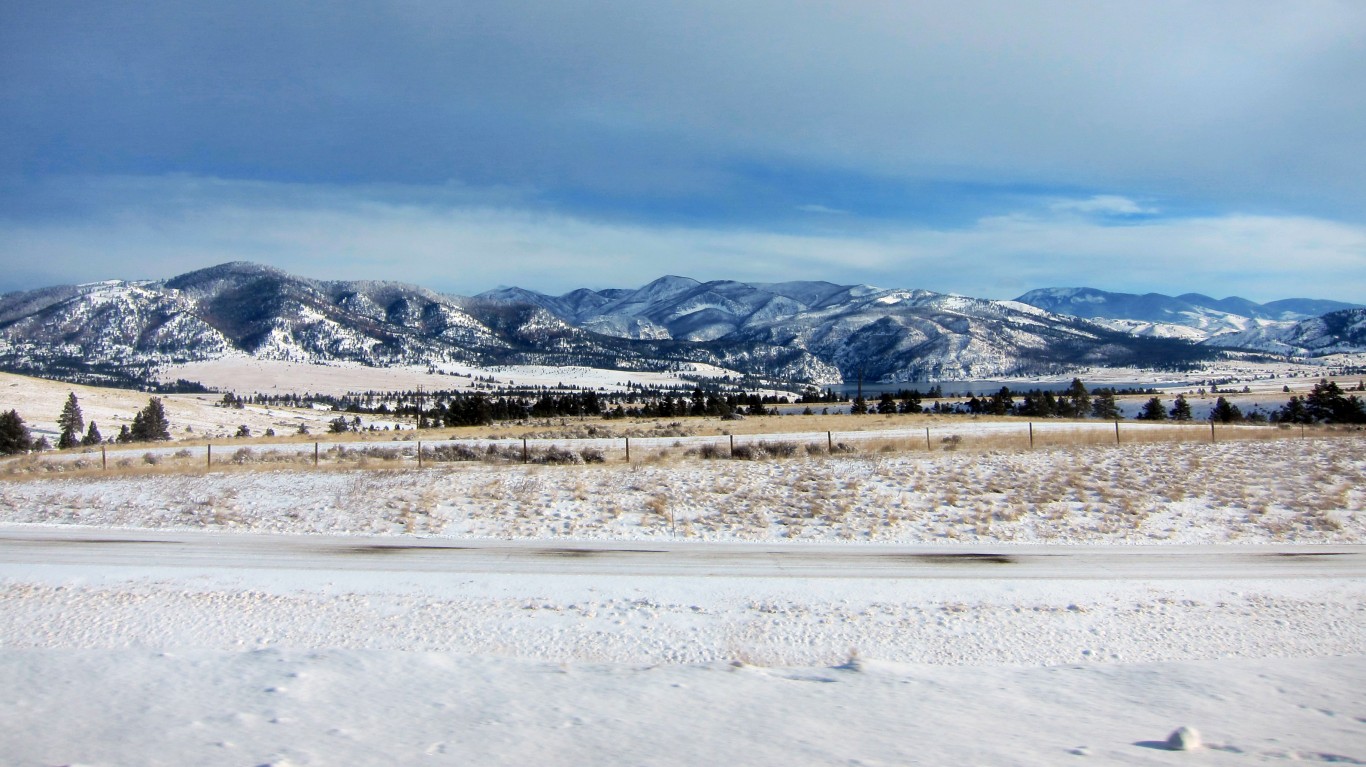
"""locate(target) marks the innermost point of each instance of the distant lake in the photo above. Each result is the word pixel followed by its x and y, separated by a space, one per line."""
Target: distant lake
pixel 971 388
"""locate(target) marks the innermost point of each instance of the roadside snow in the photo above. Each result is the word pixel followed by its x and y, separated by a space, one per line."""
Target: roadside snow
pixel 147 662
pixel 370 707
pixel 1301 490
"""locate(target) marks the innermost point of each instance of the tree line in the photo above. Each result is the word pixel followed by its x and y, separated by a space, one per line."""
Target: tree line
pixel 149 425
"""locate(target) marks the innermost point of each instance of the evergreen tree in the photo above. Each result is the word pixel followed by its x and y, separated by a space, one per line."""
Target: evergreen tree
pixel 1002 403
pixel 14 434
pixel 1153 410
pixel 1181 409
pixel 150 424
pixel 1326 402
pixel 125 434
pixel 1075 402
pixel 699 402
pixel 92 435
pixel 70 422
pixel 1048 405
pixel 886 404
pixel 860 406
pixel 1103 405
pixel 910 402
pixel 1225 412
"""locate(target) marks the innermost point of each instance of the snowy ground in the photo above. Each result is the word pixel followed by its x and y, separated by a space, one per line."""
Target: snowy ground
pixel 193 416
pixel 1285 490
pixel 245 374
pixel 662 613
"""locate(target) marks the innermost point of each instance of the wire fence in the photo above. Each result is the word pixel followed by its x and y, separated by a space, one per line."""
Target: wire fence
pixel 420 453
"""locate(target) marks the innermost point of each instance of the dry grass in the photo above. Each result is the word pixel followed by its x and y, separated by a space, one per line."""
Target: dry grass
pixel 1290 489
pixel 946 436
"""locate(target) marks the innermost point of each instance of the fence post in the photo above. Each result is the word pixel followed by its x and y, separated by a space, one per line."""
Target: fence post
pixel 208 457
pixel 104 459
pixel 526 458
pixel 419 454
pixel 1211 432
pixel 315 453
pixel 928 449
pixel 1031 435
pixel 1116 431
pixel 628 449
pixel 732 446
pixel 829 442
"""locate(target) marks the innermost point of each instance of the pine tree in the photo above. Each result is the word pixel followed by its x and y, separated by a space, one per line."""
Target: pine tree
pixel 1077 399
pixel 1181 409
pixel 886 404
pixel 70 422
pixel 150 424
pixel 1326 402
pixel 1002 403
pixel 1225 412
pixel 92 435
pixel 1153 411
pixel 1103 405
pixel 14 434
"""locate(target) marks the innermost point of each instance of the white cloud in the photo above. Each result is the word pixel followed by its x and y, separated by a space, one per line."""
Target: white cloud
pixel 822 209
pixel 1103 204
pixel 459 246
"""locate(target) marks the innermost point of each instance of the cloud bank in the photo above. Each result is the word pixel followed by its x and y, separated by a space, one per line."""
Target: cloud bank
pixel 976 146
pixel 463 247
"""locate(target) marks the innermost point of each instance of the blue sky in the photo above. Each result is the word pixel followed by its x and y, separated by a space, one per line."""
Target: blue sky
pixel 984 148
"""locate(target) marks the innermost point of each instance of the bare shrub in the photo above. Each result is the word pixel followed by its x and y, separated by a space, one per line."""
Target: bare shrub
pixel 151 459
pixel 781 449
pixel 456 452
pixel 707 451
pixel 747 452
pixel 555 455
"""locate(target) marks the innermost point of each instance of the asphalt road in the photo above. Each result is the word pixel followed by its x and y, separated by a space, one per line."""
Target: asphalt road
pixel 218 550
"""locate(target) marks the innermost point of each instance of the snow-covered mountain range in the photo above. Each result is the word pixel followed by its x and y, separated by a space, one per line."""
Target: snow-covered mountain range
pixel 884 335
pixel 1293 326
pixel 815 332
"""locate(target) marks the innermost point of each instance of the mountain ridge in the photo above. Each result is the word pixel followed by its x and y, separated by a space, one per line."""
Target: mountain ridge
pixel 813 332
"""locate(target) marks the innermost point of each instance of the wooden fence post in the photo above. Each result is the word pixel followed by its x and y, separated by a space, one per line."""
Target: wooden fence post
pixel 419 454
pixel 1031 435
pixel 829 442
pixel 1211 432
pixel 1116 431
pixel 628 449
pixel 315 453
pixel 104 459
pixel 208 457
pixel 526 457
pixel 732 446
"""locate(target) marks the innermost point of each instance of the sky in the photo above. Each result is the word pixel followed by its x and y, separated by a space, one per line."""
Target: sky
pixel 982 148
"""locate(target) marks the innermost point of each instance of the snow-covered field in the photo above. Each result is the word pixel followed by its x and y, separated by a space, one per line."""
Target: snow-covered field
pixel 1034 607
pixel 1285 490
pixel 242 373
